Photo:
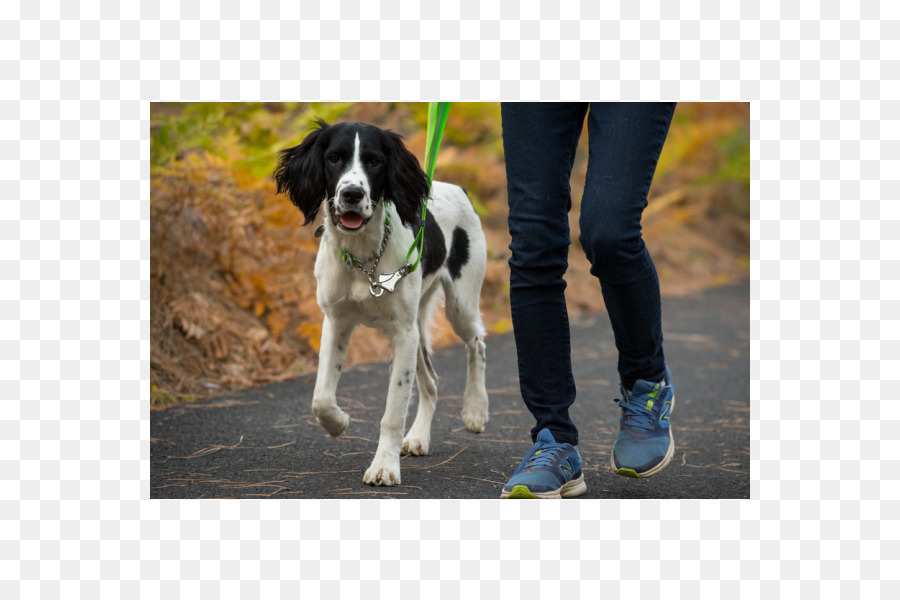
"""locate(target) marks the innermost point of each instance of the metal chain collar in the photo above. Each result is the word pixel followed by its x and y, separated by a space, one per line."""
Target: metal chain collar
pixel 354 263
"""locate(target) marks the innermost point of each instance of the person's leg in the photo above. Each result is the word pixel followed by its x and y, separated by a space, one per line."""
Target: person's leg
pixel 539 140
pixel 625 143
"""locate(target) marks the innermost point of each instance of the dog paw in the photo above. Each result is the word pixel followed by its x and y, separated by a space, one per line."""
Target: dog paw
pixel 382 475
pixel 415 446
pixel 333 419
pixel 475 415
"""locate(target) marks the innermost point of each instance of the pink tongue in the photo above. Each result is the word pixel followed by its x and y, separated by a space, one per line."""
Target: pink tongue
pixel 351 220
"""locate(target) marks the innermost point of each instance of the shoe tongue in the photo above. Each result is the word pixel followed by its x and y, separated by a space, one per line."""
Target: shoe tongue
pixel 351 220
pixel 642 388
pixel 545 436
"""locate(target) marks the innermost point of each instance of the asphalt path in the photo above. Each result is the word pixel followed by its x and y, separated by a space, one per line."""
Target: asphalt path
pixel 264 442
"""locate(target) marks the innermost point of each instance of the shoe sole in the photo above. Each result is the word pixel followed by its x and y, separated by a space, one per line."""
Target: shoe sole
pixel 571 489
pixel 649 472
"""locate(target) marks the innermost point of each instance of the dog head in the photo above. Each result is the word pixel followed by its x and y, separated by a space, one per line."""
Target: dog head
pixel 352 167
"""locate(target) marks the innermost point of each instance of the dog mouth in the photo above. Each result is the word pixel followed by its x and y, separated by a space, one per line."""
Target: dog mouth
pixel 351 221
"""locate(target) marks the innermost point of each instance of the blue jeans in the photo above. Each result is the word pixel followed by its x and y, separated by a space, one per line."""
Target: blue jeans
pixel 539 139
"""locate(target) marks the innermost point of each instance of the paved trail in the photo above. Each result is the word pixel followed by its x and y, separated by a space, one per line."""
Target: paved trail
pixel 264 442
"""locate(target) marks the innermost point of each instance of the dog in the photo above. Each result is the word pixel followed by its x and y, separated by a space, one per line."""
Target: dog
pixel 372 190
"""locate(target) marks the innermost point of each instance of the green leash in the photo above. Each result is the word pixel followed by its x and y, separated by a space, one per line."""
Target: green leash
pixel 437 121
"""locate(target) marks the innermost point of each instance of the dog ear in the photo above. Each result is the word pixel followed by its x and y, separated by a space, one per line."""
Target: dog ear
pixel 406 184
pixel 299 172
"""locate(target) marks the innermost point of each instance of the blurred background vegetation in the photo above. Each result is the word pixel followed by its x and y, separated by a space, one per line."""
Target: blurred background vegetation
pixel 232 287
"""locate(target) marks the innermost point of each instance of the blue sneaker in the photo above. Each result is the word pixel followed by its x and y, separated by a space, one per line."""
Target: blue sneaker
pixel 549 470
pixel 644 445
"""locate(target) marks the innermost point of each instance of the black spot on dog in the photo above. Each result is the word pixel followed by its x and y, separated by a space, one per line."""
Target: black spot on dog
pixel 459 252
pixel 435 250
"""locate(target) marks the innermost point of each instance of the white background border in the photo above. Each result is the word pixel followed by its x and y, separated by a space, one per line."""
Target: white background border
pixel 74 348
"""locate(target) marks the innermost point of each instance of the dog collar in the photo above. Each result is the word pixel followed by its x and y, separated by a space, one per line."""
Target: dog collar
pixel 351 262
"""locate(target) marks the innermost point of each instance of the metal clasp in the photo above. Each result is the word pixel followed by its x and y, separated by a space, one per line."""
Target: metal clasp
pixel 387 281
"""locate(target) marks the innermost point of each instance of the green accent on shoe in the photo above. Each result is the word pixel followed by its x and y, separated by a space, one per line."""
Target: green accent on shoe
pixel 652 394
pixel 628 473
pixel 520 492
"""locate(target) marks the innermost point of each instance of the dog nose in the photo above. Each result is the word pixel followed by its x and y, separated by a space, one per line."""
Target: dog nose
pixel 352 194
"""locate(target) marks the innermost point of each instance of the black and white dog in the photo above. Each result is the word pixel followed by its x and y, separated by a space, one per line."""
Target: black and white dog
pixel 372 189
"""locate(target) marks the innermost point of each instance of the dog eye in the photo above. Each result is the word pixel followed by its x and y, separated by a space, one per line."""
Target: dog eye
pixel 334 159
pixel 374 162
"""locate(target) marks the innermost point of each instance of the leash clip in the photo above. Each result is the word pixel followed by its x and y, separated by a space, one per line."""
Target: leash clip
pixel 387 281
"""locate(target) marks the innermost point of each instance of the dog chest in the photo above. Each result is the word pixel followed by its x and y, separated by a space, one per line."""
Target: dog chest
pixel 351 300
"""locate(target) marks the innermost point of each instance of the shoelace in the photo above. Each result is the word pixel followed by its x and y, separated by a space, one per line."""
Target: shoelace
pixel 544 459
pixel 633 416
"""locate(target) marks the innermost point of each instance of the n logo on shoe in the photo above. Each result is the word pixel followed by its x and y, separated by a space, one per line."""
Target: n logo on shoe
pixel 565 467
pixel 666 411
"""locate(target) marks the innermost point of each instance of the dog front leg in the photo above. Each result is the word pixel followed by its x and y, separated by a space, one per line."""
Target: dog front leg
pixel 385 467
pixel 418 438
pixel 332 352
